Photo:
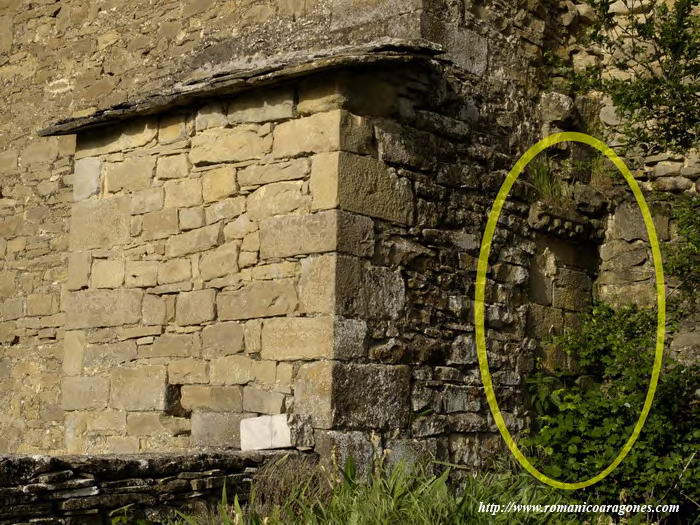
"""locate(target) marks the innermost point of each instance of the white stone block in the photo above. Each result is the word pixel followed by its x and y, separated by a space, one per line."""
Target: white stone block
pixel 265 433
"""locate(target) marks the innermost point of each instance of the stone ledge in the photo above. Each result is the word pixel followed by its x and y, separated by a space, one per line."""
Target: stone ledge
pixel 241 76
pixel 81 489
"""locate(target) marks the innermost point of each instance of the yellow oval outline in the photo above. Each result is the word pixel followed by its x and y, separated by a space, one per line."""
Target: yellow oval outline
pixel 481 289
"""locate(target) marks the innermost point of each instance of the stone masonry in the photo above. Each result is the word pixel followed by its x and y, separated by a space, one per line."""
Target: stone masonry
pixel 267 220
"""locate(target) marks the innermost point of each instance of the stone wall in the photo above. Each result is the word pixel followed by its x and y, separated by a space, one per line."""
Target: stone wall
pixel 81 490
pixel 69 58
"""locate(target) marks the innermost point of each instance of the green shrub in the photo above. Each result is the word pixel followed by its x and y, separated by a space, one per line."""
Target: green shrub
pixel 584 418
pixel 658 50
pixel 683 256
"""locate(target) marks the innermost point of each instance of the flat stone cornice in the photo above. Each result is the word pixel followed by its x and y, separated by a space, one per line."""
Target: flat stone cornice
pixel 242 75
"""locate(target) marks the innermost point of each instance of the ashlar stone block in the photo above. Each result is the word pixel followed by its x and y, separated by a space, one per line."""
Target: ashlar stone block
pixel 257 175
pixel 212 398
pixel 222 339
pixel 219 183
pixel 100 223
pixel 183 193
pixel 142 388
pixel 219 262
pixel 141 274
pixel 107 273
pixel 74 344
pixel 265 106
pixel 325 231
pixel 195 307
pixel 276 199
pixel 86 178
pixel 296 338
pixel 193 241
pixel 131 175
pixel 98 308
pixel 215 146
pixel 214 429
pixel 174 271
pixel 262 401
pixel 79 264
pixel 266 433
pixel 258 299
pixel 362 185
pixel 84 393
pixel 331 131
pixel 173 345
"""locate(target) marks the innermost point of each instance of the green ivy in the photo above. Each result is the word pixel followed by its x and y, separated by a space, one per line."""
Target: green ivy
pixel 584 418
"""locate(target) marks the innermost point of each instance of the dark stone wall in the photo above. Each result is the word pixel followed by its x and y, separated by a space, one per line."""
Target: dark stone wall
pixel 82 490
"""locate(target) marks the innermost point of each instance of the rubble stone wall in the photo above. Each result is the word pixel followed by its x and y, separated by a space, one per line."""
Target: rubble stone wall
pixel 82 490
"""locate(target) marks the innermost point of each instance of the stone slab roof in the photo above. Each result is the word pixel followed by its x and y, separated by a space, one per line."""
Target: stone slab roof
pixel 245 74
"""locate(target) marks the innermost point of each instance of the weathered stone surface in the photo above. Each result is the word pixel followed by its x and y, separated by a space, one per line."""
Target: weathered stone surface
pixel 187 371
pixel 225 209
pixel 183 193
pixel 173 345
pixel 160 224
pixel 215 146
pixel 317 284
pixel 262 401
pixel 107 273
pixel 172 128
pixel 142 388
pixel 107 356
pixel 84 393
pixel 74 344
pixel 544 321
pixel 172 167
pixel 256 174
pixel 262 106
pixel 131 175
pixel 313 393
pixel 86 180
pixel 154 310
pixel 210 116
pixel 367 291
pixel 371 396
pixel 317 233
pixel 219 262
pixel 79 264
pixel 191 218
pixel 298 338
pixel 258 299
pixel 265 433
pixel 219 183
pixel 195 307
pixel 212 398
pixel 276 199
pixel 174 271
pixel 147 200
pixel 232 370
pixel 360 184
pixel 337 447
pixel 100 223
pixel 96 308
pixel 193 241
pixel 212 429
pixel 222 339
pixel 141 274
pixel 331 131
